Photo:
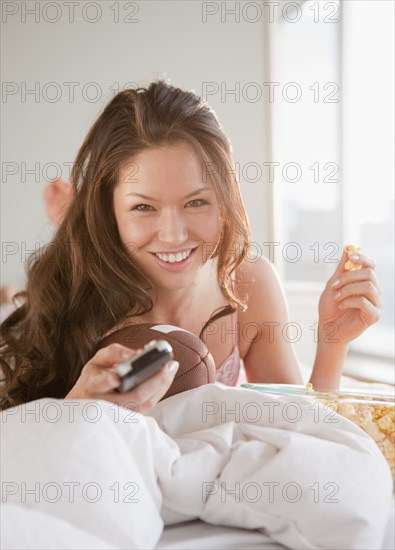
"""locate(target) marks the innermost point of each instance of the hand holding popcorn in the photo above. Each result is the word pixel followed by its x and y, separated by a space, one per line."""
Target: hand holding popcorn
pixel 351 300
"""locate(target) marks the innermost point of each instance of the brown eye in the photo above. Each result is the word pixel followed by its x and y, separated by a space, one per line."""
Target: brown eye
pixel 199 201
pixel 142 207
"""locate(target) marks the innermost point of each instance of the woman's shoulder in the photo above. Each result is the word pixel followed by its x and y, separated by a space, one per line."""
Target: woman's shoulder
pixel 254 272
pixel 259 284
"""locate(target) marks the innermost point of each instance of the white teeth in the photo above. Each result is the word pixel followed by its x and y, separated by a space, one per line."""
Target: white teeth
pixel 172 258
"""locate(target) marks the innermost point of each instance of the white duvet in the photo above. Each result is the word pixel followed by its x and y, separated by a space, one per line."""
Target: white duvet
pixel 306 477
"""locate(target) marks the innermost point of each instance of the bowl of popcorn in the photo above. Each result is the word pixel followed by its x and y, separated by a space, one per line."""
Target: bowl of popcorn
pixel 373 412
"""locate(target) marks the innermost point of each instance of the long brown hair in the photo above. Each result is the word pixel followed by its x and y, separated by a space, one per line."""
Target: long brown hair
pixel 85 280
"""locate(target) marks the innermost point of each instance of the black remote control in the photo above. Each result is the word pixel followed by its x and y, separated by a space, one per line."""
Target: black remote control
pixel 145 364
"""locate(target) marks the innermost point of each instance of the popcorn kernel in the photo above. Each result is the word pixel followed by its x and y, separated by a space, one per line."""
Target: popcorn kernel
pixel 351 249
pixel 386 423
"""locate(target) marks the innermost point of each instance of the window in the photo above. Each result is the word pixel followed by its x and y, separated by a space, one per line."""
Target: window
pixel 368 151
pixel 332 148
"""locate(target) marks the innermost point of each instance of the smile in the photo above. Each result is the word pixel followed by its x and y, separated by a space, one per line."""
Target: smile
pixel 174 258
pixel 175 262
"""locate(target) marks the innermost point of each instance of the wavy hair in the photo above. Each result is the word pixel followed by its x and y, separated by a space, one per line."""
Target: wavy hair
pixel 84 281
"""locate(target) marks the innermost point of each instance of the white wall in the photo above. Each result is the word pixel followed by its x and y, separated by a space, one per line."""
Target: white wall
pixel 168 38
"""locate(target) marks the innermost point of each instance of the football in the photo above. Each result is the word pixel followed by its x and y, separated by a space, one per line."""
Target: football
pixel 197 365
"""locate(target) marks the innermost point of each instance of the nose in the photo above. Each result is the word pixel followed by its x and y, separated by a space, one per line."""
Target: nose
pixel 172 230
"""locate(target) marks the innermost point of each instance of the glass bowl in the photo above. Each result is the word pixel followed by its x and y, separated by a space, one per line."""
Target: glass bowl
pixel 373 412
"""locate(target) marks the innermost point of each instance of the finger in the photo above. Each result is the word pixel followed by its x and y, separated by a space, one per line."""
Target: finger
pixel 103 376
pixel 363 260
pixel 112 355
pixel 103 381
pixel 155 387
pixel 145 395
pixel 362 275
pixel 369 313
pixel 340 268
pixel 364 288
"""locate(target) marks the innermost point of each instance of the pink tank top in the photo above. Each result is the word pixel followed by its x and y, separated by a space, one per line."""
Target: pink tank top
pixel 228 372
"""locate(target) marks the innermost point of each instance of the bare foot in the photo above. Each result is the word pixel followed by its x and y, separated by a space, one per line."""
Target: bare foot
pixel 6 294
pixel 58 195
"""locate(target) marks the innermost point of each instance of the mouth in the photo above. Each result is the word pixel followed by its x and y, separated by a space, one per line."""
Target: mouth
pixel 175 260
pixel 172 257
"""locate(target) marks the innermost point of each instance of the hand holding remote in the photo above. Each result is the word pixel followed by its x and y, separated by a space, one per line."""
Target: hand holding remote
pixel 99 379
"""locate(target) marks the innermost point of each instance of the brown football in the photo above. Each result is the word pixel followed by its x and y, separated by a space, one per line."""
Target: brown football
pixel 197 365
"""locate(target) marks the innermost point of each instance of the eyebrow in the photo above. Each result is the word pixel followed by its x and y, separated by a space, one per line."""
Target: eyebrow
pixel 186 196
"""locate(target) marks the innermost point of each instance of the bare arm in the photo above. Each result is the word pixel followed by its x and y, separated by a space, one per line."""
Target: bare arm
pixel 270 358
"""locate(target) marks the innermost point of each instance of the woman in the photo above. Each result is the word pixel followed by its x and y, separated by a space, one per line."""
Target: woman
pixel 157 232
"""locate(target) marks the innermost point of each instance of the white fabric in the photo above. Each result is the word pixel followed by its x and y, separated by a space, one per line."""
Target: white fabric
pixel 25 528
pixel 198 535
pixel 174 462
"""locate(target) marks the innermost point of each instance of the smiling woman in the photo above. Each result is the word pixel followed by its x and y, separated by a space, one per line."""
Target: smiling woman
pixel 156 144
pixel 178 258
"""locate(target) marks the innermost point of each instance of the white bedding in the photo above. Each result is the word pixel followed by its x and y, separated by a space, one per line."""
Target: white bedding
pixel 39 531
pixel 198 534
pixel 332 487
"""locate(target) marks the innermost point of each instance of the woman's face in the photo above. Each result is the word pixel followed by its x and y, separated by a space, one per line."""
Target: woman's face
pixel 167 213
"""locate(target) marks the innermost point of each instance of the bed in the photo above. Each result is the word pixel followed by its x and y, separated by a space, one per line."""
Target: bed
pixel 170 455
pixel 39 532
